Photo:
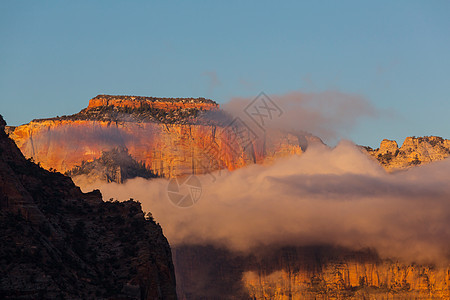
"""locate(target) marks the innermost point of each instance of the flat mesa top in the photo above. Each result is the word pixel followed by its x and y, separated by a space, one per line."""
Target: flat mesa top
pixel 152 109
pixel 153 99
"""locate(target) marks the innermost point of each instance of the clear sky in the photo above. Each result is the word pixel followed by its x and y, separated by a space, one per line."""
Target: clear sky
pixel 56 55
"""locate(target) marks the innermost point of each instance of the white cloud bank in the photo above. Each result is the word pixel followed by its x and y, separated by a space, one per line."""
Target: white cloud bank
pixel 336 196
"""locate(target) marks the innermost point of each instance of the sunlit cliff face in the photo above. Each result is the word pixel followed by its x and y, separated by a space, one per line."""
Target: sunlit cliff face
pixel 167 149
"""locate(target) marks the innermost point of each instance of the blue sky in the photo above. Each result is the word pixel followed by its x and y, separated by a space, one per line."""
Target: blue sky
pixel 56 55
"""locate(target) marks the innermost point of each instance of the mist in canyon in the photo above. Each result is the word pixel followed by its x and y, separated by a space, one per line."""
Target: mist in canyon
pixel 327 196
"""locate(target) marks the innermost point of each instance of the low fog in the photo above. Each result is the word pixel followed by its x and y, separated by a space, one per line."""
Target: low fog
pixel 326 196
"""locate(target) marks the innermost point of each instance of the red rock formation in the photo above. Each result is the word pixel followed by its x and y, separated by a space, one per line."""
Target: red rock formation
pixel 168 149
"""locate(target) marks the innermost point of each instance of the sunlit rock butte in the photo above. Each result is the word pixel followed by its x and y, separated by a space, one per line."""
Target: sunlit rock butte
pixel 414 151
pixel 60 243
pixel 170 136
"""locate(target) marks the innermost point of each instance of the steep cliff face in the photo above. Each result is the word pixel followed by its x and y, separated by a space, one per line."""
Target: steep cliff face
pixel 351 280
pixel 170 137
pixel 314 272
pixel 58 242
pixel 413 152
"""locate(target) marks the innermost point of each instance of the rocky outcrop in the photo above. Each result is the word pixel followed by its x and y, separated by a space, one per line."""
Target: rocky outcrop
pixel 9 129
pixel 414 151
pixel 313 272
pixel 58 242
pixel 169 143
pixel 116 165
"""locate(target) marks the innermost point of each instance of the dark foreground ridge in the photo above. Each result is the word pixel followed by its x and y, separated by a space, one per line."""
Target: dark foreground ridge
pixel 60 243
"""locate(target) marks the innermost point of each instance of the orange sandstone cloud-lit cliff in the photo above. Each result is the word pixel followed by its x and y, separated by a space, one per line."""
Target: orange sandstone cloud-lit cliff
pixel 171 136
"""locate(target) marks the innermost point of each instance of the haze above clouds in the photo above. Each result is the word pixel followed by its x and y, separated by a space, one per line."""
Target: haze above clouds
pixel 330 115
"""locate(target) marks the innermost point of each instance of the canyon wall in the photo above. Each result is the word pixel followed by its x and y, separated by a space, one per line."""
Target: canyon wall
pixel 168 149
pixel 351 280
pixel 294 273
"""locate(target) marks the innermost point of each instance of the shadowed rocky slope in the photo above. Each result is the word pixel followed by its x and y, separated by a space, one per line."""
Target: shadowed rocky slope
pixel 57 242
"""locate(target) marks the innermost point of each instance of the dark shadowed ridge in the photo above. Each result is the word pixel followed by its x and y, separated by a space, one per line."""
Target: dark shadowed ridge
pixel 58 242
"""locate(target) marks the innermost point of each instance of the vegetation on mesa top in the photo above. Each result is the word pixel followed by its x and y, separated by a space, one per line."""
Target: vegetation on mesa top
pixel 146 111
pixel 153 99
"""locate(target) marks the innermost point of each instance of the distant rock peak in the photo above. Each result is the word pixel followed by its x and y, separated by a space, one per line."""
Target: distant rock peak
pixel 414 151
